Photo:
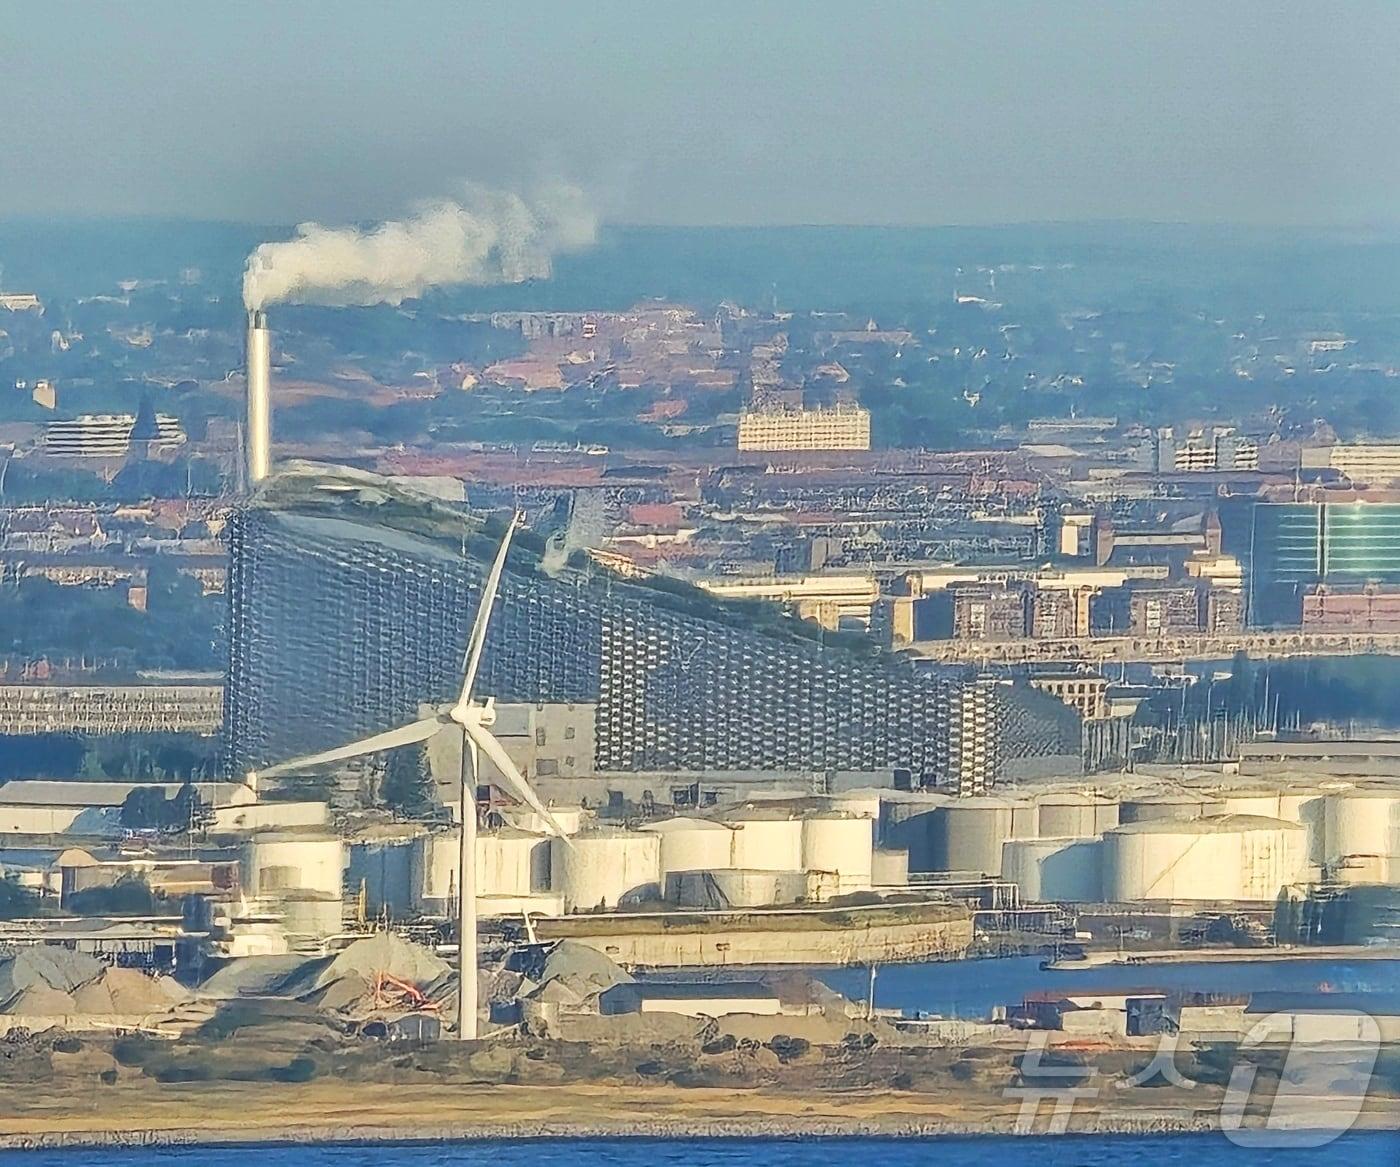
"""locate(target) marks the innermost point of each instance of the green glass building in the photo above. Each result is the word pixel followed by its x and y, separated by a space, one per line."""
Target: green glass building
pixel 1295 546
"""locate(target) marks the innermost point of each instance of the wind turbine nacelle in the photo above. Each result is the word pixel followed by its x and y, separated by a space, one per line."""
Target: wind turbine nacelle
pixel 483 715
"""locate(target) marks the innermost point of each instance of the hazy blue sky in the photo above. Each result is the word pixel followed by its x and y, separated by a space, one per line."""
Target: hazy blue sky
pixel 714 111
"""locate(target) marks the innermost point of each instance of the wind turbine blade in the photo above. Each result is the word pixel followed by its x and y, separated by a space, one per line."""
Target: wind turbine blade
pixel 511 778
pixel 477 642
pixel 404 735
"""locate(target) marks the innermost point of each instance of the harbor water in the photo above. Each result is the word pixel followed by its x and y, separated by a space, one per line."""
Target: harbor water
pixel 971 988
pixel 1354 1150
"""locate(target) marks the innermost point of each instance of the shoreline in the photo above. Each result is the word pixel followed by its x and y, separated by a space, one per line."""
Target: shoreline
pixel 737 1129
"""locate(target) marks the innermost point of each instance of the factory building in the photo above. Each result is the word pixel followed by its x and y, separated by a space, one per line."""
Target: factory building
pixel 1372 463
pixel 110 435
pixel 845 427
pixel 91 808
pixel 350 603
pixel 1087 693
pixel 108 709
pixel 1369 608
pixel 1205 449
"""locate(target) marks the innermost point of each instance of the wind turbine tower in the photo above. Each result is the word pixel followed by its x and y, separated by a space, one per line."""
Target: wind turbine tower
pixel 474 719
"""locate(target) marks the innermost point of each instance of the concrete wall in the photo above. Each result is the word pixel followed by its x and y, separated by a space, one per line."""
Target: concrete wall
pixel 99 821
pixel 817 944
pixel 260 816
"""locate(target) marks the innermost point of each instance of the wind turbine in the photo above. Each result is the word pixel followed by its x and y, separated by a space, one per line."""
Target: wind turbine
pixel 475 720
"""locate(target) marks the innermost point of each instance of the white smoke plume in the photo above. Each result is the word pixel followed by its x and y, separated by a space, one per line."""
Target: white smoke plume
pixel 487 237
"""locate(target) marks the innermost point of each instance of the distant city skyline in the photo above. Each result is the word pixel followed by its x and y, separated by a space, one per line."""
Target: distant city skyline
pixel 727 113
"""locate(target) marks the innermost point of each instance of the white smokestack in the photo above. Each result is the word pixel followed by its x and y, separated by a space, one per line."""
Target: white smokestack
pixel 489 237
pixel 259 434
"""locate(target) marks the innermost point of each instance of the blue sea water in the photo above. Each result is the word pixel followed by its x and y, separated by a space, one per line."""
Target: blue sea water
pixel 970 988
pixel 1355 1150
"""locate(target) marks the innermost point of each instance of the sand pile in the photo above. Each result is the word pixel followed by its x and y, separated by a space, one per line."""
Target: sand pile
pixel 51 981
pixel 127 992
pixel 254 976
pixel 384 953
pixel 358 980
pixel 40 1001
pixel 47 966
pixel 573 973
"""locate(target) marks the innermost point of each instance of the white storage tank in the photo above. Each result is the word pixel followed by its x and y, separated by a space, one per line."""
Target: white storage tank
pixel 1075 816
pixel 736 888
pixel 569 819
pixel 1252 800
pixel 1224 857
pixel 889 867
pixel 767 841
pixel 1146 808
pixel 1362 836
pixel 1066 870
pixel 605 867
pixel 906 824
pixel 1303 805
pixel 280 862
pixel 508 863
pixel 693 844
pixel 309 916
pixel 858 803
pixel 511 862
pixel 840 845
pixel 968 833
pixel 435 859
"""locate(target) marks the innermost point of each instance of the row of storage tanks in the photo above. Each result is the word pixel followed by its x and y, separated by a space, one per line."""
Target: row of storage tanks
pixel 756 855
pixel 1225 845
pixel 1220 845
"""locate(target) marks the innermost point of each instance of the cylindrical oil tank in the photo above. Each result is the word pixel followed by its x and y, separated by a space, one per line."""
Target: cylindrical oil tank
pixel 735 888
pixel 840 845
pixel 511 862
pixel 1303 805
pixel 435 860
pixel 968 833
pixel 604 867
pixel 767 841
pixel 569 819
pixel 1251 800
pixel 906 823
pixel 277 862
pixel 693 844
pixel 1146 808
pixel 1075 816
pixel 508 863
pixel 1362 836
pixel 857 803
pixel 312 915
pixel 1065 870
pixel 889 867
pixel 384 868
pixel 1220 858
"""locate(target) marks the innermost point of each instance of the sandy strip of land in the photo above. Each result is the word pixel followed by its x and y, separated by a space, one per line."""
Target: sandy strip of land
pixel 328 1111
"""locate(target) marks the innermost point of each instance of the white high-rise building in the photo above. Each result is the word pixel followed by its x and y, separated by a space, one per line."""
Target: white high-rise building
pixel 846 427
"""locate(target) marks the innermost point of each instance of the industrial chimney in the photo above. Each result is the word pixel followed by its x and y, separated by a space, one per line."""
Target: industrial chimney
pixel 259 435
